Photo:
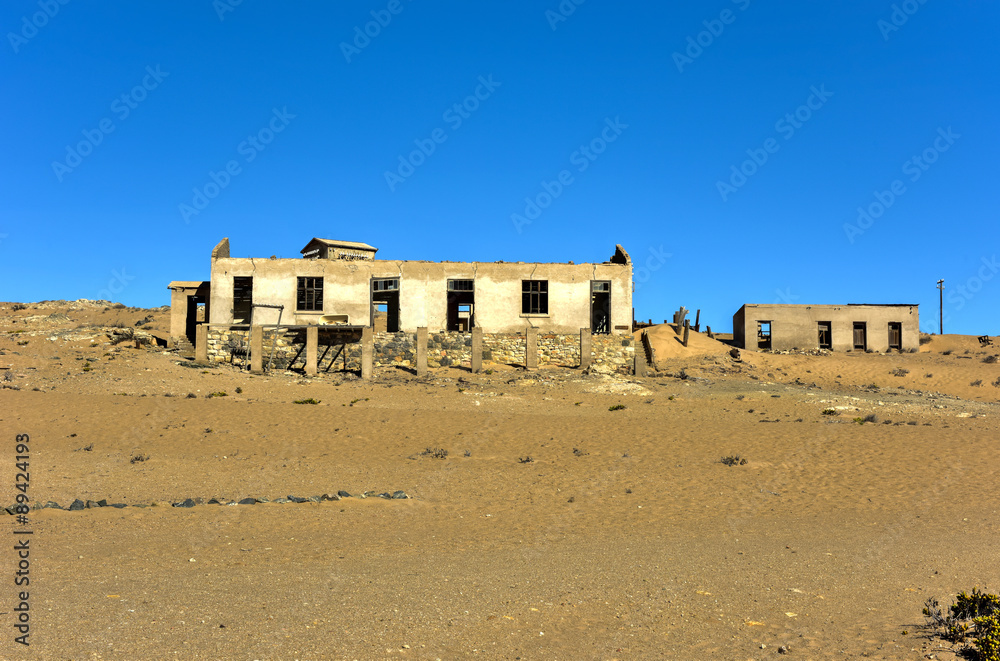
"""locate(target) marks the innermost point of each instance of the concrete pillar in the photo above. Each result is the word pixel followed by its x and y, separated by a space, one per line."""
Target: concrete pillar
pixel 256 349
pixel 367 352
pixel 531 348
pixel 687 331
pixel 422 351
pixel 201 343
pixel 640 357
pixel 477 350
pixel 586 340
pixel 312 350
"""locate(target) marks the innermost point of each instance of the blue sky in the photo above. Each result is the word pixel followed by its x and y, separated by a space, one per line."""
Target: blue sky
pixel 728 145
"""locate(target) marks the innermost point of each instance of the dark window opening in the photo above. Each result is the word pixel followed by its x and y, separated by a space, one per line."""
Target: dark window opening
pixel 895 335
pixel 860 336
pixel 242 299
pixel 763 334
pixel 309 296
pixel 825 335
pixel 600 306
pixel 385 305
pixel 461 305
pixel 534 297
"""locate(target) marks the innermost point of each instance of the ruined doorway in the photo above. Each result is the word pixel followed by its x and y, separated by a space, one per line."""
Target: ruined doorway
pixel 860 336
pixel 763 334
pixel 825 335
pixel 895 335
pixel 461 305
pixel 600 306
pixel 385 303
pixel 195 315
pixel 242 299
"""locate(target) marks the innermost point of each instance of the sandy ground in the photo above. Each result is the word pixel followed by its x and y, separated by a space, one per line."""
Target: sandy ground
pixel 623 536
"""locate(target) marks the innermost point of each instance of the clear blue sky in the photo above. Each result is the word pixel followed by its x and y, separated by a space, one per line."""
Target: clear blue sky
pixel 115 112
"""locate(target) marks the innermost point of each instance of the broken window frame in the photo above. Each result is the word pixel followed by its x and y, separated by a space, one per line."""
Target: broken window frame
pixel 535 297
pixel 385 284
pixel 309 294
pixel 459 284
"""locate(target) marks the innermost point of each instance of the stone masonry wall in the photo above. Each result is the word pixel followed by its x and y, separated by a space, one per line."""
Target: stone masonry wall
pixel 341 350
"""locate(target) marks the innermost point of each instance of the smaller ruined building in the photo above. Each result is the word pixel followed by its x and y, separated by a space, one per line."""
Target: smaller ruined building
pixel 851 327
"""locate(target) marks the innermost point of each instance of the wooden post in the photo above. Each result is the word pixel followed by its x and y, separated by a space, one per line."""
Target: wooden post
pixel 477 350
pixel 421 352
pixel 586 339
pixel 697 321
pixel 367 352
pixel 531 348
pixel 687 329
pixel 708 331
pixel 312 350
pixel 256 349
pixel 201 343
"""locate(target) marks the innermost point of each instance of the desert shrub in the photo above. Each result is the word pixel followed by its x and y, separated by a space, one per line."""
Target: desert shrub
pixel 976 383
pixel 8 376
pixel 616 407
pixel 216 394
pixel 733 460
pixel 239 390
pixel 973 618
pixel 19 306
pixel 924 339
pixel 22 343
pixel 990 359
pixel 899 371
pixel 435 453
pixel 829 411
pixel 871 417
pixel 306 401
pixel 996 384
pixel 928 375
pixel 946 353
pixel 137 458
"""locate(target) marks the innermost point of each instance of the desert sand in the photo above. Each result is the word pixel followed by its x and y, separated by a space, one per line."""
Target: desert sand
pixel 554 528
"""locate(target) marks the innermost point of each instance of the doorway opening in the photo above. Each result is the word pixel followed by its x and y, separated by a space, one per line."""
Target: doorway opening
pixel 195 316
pixel 763 334
pixel 242 299
pixel 600 306
pixel 896 335
pixel 825 335
pixel 461 305
pixel 385 304
pixel 860 336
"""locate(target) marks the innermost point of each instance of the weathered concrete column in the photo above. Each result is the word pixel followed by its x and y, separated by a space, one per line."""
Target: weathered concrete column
pixel 421 351
pixel 312 350
pixel 201 343
pixel 640 357
pixel 367 352
pixel 256 349
pixel 531 348
pixel 477 350
pixel 586 340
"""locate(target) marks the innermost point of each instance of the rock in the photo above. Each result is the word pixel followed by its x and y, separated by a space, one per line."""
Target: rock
pixel 327 496
pixel 281 500
pixel 782 650
pixel 296 499
pixel 102 502
pixel 399 495
pixel 248 501
pixel 314 499
pixel 91 505
pixel 185 503
pixel 343 494
pixel 53 505
pixel 384 495
pixel 77 505
pixel 119 506
pixel 214 501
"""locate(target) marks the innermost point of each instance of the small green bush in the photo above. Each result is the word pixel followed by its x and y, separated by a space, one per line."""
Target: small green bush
pixel 733 460
pixel 972 618
pixel 617 407
pixel 829 411
pixel 217 394
pixel 306 401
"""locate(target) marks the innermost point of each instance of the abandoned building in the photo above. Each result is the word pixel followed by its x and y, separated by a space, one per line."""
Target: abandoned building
pixel 851 327
pixel 339 289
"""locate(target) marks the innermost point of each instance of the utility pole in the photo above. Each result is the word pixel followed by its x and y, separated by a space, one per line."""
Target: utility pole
pixel 940 286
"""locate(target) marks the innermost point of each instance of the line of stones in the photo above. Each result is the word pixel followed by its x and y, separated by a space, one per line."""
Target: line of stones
pixel 78 504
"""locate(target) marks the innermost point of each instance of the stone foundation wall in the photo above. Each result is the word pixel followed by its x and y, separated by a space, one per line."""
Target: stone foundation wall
pixel 341 350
